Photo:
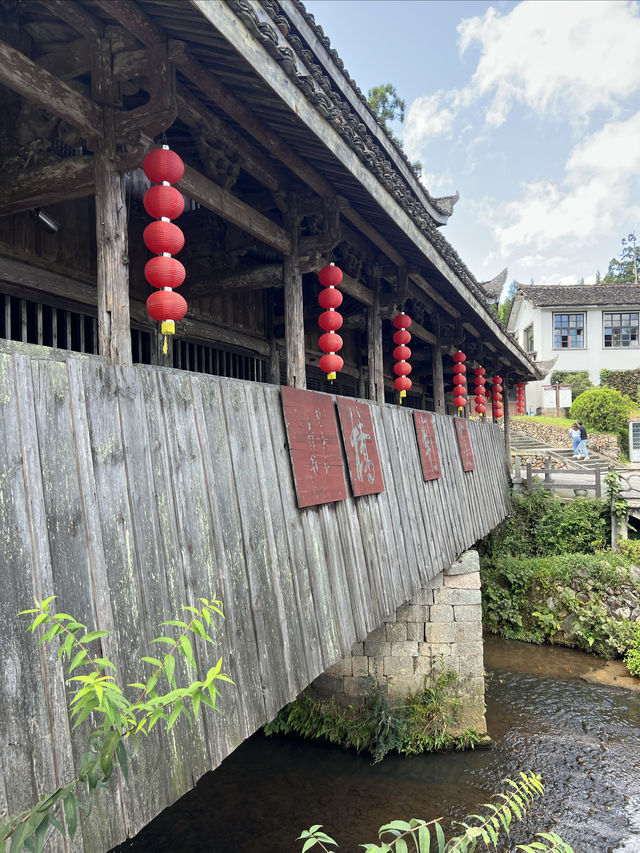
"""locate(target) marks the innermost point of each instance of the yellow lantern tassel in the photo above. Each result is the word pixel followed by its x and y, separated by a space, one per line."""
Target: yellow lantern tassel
pixel 331 376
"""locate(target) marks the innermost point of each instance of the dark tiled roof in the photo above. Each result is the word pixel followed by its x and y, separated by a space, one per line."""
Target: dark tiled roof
pixel 582 295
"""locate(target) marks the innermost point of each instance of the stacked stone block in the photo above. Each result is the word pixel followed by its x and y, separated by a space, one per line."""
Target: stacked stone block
pixel 439 629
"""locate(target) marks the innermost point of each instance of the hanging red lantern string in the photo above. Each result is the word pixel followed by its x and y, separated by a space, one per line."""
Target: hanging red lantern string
pixel 480 395
pixel 459 380
pixel 520 398
pixel 330 320
pixel 164 272
pixel 401 353
pixel 496 397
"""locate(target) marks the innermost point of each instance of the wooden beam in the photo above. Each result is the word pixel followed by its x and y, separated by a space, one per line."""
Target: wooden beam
pixel 230 208
pixel 422 334
pixel 114 324
pixel 433 293
pixel 258 277
pixel 357 290
pixel 197 117
pixel 132 18
pixel 293 303
pixel 437 376
pixel 374 347
pixel 73 14
pixel 37 85
pixel 376 238
pixel 70 178
pixel 69 60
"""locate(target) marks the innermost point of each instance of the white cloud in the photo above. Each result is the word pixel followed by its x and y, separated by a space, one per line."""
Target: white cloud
pixel 600 174
pixel 426 118
pixel 559 57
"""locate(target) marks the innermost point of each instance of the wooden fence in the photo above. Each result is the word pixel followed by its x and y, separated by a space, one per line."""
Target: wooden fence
pixel 129 492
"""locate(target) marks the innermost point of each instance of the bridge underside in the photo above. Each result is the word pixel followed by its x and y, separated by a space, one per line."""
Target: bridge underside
pixel 130 492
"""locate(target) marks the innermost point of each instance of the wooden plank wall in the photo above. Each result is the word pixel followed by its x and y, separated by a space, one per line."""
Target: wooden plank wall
pixel 130 492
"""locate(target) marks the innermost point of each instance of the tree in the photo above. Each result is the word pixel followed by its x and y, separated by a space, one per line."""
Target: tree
pixel 504 308
pixel 389 106
pixel 624 268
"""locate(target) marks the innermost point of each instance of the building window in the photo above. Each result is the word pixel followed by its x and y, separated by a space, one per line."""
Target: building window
pixel 620 329
pixel 568 331
pixel 528 340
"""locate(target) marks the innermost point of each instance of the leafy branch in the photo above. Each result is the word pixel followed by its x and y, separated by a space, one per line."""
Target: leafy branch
pixel 486 829
pixel 117 721
pixel 619 505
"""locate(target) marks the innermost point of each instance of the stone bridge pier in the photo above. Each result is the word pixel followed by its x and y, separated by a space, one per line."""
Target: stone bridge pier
pixel 439 629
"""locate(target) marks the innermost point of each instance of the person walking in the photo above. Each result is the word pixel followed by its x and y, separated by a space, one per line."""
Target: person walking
pixel 583 453
pixel 574 434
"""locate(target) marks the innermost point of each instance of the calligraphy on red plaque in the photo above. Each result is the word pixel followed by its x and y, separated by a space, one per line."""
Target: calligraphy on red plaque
pixel 429 456
pixel 464 443
pixel 314 446
pixel 362 450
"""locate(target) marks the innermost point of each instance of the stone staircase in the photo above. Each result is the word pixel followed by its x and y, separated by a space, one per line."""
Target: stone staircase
pixel 522 443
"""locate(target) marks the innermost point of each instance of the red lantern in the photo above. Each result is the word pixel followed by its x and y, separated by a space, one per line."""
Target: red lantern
pixel 163 201
pixel 459 380
pixel 401 353
pixel 330 320
pixel 330 342
pixel 480 400
pixel 163 271
pixel 497 396
pixel 160 237
pixel 331 364
pixel 330 276
pixel 162 165
pixel 166 307
pixel 481 409
pixel 330 298
pixel 479 371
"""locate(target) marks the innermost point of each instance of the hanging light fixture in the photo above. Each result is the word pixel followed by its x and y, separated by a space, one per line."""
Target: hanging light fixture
pixel 496 397
pixel 459 380
pixel 330 320
pixel 164 272
pixel 401 352
pixel 480 395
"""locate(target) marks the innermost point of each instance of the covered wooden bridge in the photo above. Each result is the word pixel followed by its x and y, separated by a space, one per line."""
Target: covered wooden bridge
pixel 133 480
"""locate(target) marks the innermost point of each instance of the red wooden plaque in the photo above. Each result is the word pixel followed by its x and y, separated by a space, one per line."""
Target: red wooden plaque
pixel 466 454
pixel 314 446
pixel 429 456
pixel 360 444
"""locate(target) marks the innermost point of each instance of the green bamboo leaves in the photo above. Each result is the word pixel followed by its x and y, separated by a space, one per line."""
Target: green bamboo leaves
pixel 116 720
pixel 486 831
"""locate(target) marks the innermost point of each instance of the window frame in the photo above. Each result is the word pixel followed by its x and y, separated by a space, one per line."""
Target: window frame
pixel 619 328
pixel 557 332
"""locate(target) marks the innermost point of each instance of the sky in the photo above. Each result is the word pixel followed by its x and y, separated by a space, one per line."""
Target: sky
pixel 530 110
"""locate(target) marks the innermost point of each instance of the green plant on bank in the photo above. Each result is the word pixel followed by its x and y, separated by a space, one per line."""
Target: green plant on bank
pixel 489 829
pixel 542 524
pixel 625 381
pixel 116 721
pixel 619 505
pixel 516 592
pixel 632 657
pixel 421 724
pixel 579 381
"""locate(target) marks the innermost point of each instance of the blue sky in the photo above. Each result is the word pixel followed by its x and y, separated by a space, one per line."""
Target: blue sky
pixel 530 110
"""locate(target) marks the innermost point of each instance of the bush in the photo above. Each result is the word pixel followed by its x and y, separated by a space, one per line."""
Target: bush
pixel 557 599
pixel 632 657
pixel 625 381
pixel 542 524
pixel 605 410
pixel 579 381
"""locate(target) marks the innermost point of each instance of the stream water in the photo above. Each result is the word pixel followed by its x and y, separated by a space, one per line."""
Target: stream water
pixel 584 740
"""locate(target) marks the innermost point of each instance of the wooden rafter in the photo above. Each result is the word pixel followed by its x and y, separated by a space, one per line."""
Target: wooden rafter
pixel 39 86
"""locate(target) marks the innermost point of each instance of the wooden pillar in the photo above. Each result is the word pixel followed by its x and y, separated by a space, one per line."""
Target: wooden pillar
pixel 507 421
pixel 114 327
pixel 374 346
pixel 293 302
pixel 438 379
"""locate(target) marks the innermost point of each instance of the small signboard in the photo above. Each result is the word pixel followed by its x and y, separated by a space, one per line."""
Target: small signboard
pixel 314 446
pixel 464 444
pixel 360 444
pixel 427 446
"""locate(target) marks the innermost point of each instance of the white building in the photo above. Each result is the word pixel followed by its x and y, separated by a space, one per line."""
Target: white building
pixel 582 327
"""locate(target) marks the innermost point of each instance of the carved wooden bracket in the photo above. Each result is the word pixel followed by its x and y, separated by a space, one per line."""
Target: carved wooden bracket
pixel 161 110
pixel 329 236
